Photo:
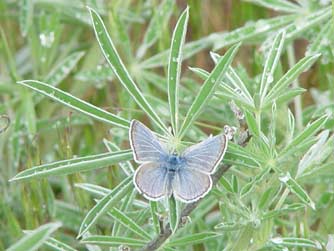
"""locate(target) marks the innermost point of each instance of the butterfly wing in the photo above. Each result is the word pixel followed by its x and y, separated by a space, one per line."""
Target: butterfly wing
pixel 205 156
pixel 145 146
pixel 151 180
pixel 190 185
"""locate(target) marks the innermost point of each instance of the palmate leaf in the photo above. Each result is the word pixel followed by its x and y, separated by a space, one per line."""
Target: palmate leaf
pixel 75 165
pixel 34 239
pixel 116 64
pixel 75 103
pixel 174 68
pixel 208 89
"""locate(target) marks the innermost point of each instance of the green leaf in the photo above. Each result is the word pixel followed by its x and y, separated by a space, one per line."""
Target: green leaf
pixel 129 223
pixel 189 50
pixel 116 64
pixel 252 125
pixel 112 241
pixel 252 31
pixel 296 242
pixel 313 153
pixel 75 103
pixel 285 210
pixel 61 71
pixel 173 213
pixel 295 188
pixel 270 65
pixel 26 16
pixel 36 238
pixel 281 85
pixel 93 189
pixel 306 22
pixel 105 204
pixel 192 239
pixel 208 89
pixel 157 24
pixel 229 226
pixel 309 131
pixel 235 184
pixel 226 184
pixel 58 245
pixel 278 5
pixel 234 80
pixel 155 217
pixel 174 68
pixel 75 165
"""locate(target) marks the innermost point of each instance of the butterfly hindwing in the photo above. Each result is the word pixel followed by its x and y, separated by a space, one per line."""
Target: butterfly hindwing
pixel 206 155
pixel 145 146
pixel 190 185
pixel 151 180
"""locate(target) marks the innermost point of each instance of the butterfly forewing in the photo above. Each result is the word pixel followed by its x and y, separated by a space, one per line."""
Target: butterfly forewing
pixel 144 144
pixel 151 180
pixel 205 156
pixel 190 185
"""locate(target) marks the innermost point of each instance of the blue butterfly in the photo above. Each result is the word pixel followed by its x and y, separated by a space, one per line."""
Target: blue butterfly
pixel 161 174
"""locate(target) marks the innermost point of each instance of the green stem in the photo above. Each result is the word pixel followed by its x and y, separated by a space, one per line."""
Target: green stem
pixel 282 199
pixel 258 119
pixel 297 100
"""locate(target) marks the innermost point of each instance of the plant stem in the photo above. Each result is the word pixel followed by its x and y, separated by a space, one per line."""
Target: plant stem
pixel 297 100
pixel 282 199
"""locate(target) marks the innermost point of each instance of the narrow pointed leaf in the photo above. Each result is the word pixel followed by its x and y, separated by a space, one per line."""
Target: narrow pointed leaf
pixel 155 217
pixel 208 89
pixel 61 71
pixel 296 242
pixel 310 130
pixel 270 65
pixel 189 50
pixel 129 223
pixel 157 24
pixel 282 84
pixel 58 245
pixel 297 189
pixel 112 241
pixel 75 165
pixel 192 239
pixel 116 64
pixel 75 103
pixel 173 213
pixel 174 67
pixel 252 30
pixel 278 5
pixel 34 239
pixel 105 204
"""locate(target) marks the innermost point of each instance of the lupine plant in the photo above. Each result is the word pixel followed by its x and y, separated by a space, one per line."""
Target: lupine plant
pixel 67 177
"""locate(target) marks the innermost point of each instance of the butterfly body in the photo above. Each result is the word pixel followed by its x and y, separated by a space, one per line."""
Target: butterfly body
pixel 161 173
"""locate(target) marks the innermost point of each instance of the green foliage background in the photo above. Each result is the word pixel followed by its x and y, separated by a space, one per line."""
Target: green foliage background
pixel 69 162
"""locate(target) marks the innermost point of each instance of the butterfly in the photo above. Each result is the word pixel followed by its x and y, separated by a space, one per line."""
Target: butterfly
pixel 161 173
